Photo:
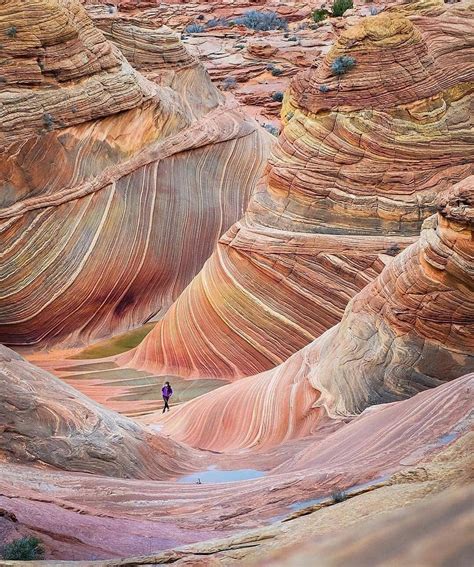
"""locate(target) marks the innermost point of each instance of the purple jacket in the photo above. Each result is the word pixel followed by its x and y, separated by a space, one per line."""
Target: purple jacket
pixel 167 391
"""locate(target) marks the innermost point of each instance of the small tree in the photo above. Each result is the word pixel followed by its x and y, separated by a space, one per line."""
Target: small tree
pixel 277 96
pixel 342 64
pixel 23 549
pixel 340 6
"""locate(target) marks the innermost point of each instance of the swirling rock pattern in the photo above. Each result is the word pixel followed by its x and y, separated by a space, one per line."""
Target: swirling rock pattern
pixel 138 197
pixel 158 53
pixel 356 170
pixel 43 421
pixel 80 512
pixel 411 329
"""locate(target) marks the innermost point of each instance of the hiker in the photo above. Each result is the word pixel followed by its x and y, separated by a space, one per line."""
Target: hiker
pixel 166 392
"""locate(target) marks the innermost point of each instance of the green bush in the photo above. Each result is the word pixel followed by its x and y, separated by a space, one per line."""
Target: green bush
pixel 319 15
pixel 23 549
pixel 340 6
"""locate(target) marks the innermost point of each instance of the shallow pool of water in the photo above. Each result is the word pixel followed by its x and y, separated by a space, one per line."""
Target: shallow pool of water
pixel 213 475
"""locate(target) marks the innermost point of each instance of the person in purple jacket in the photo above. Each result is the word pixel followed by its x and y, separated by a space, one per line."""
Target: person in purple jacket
pixel 166 392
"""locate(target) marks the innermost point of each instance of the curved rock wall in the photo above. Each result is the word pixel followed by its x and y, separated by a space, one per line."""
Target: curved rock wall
pixel 411 329
pixel 357 168
pixel 105 221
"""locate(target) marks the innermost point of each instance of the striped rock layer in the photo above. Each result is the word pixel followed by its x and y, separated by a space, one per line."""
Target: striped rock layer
pixel 355 171
pixel 411 329
pixel 114 188
pixel 79 512
pixel 157 53
pixel 46 422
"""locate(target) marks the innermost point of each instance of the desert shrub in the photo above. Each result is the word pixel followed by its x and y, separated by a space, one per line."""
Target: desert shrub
pixel 11 31
pixel 194 28
pixel 272 129
pixel 393 250
pixel 319 15
pixel 262 21
pixel 323 89
pixel 342 64
pixel 277 96
pixel 270 67
pixel 276 71
pixel 374 10
pixel 215 22
pixel 23 549
pixel 338 496
pixel 240 46
pixel 200 17
pixel 229 83
pixel 293 38
pixel 48 120
pixel 340 6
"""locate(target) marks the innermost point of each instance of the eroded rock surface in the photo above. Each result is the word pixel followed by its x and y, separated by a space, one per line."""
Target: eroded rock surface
pixel 357 168
pixel 115 187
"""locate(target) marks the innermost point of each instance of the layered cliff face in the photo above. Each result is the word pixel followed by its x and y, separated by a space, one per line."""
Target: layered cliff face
pixel 411 329
pixel 357 168
pixel 114 188
pixel 156 51
pixel 46 422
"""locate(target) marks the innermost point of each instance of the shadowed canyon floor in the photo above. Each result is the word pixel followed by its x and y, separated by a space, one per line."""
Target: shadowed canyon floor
pixel 309 297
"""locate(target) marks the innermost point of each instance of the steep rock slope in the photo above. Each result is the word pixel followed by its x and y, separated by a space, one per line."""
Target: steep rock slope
pixel 114 188
pixel 411 329
pixel 354 173
pixel 43 421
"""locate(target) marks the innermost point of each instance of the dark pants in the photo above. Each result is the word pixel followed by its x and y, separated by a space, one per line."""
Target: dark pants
pixel 167 407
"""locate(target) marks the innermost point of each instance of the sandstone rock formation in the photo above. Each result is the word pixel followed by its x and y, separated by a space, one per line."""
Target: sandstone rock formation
pixel 45 422
pixel 356 170
pixel 78 514
pixel 135 180
pixel 411 329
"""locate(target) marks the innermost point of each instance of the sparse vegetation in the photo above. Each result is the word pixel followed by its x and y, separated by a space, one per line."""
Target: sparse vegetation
pixel 48 120
pixel 342 64
pixel 338 496
pixel 217 22
pixel 23 549
pixel 194 28
pixel 393 250
pixel 11 31
pixel 340 6
pixel 293 38
pixel 262 21
pixel 276 71
pixel 229 83
pixel 323 89
pixel 277 96
pixel 319 15
pixel 272 129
